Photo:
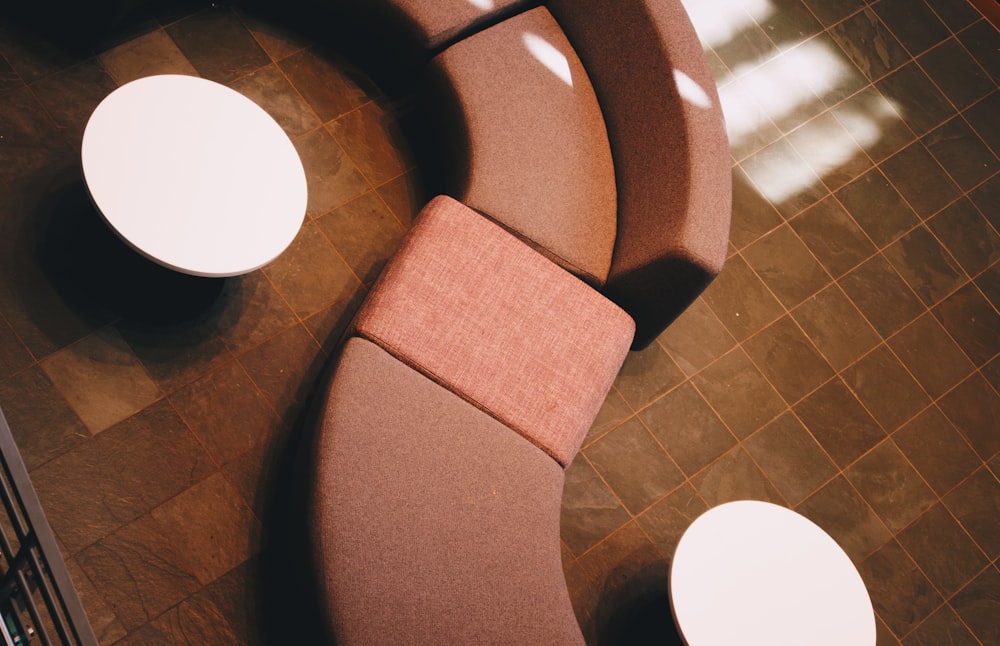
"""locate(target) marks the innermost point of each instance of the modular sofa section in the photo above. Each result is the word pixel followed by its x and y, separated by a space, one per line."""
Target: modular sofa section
pixel 481 313
pixel 670 151
pixel 431 521
pixel 525 140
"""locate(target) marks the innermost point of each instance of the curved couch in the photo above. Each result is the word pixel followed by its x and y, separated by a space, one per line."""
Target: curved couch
pixel 585 169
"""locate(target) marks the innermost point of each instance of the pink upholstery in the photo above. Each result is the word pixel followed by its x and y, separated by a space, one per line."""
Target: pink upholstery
pixel 468 304
pixel 670 150
pixel 527 140
pixel 432 522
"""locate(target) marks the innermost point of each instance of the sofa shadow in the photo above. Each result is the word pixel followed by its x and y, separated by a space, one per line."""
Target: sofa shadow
pixel 98 275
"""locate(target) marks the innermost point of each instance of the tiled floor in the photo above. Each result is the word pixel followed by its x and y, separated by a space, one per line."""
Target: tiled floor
pixel 844 364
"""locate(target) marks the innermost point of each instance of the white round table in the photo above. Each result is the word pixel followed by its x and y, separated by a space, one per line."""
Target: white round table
pixel 194 175
pixel 751 572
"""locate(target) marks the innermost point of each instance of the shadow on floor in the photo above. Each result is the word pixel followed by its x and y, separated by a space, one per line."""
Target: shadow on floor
pixel 99 275
pixel 636 612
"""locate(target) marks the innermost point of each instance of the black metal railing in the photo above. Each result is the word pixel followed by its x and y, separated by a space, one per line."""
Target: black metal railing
pixel 38 603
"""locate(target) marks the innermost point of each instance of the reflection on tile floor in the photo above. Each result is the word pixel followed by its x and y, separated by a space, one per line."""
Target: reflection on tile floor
pixel 844 364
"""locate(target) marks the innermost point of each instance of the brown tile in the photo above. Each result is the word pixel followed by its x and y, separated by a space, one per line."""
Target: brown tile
pixel 646 375
pixel 781 175
pixel 790 458
pixel 937 450
pixel 870 107
pixel 884 636
pixel 980 40
pixel 193 621
pixel 836 327
pixel 955 15
pixel 921 104
pixel 31 54
pixel 268 88
pixel 668 519
pixel 974 408
pixel 365 233
pixel 753 215
pixel 748 123
pixel 942 550
pixel 832 236
pixel 882 295
pixel 739 393
pixel 844 514
pixel 942 627
pixel 329 324
pixel 925 265
pixel 613 412
pixel 967 236
pixel 972 322
pixel 749 44
pixel 311 274
pixel 989 283
pixel 830 150
pixel 902 596
pixel 920 180
pixel 285 369
pixel 759 81
pixel 405 196
pixel 178 356
pixel 634 466
pixel 211 525
pixel 228 594
pixel 688 429
pixel 277 40
pixel 101 615
pixel 252 312
pixel 589 510
pixel 582 594
pixel 788 359
pixel 980 117
pixel 218 45
pixel 140 570
pixel 931 355
pixel 877 207
pixel 962 153
pixel 867 42
pixel 102 379
pixel 979 605
pixel 84 498
pixel 786 266
pixel 893 488
pixel 976 505
pixel 149 54
pixel 331 87
pixel 71 95
pixel 839 423
pixel 916 26
pixel 790 21
pixel 696 338
pixel 226 411
pixel 42 423
pixel 885 388
pixel 835 11
pixel 740 299
pixel 735 477
pixel 331 177
pixel 958 75
pixel 372 139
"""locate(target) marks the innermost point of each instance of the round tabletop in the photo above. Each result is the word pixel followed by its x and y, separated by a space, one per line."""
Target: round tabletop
pixel 194 175
pixel 751 572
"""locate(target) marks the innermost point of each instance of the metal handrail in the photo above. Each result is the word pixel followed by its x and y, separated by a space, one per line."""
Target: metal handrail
pixel 34 568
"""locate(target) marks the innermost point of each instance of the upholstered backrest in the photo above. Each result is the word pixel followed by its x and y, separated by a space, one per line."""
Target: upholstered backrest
pixel 670 150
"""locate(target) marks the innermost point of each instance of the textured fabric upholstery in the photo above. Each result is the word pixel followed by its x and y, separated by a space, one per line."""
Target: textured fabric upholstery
pixel 432 522
pixel 527 140
pixel 670 151
pixel 481 313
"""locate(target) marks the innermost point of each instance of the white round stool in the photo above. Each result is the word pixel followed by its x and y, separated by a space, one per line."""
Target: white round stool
pixel 751 572
pixel 194 175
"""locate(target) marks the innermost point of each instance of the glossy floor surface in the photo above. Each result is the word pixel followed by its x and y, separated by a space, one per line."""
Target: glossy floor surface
pixel 844 364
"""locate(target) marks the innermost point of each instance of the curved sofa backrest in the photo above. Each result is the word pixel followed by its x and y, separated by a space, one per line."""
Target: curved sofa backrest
pixel 670 150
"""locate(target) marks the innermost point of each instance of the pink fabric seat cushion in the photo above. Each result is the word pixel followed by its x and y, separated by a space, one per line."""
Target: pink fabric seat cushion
pixel 435 23
pixel 481 313
pixel 527 140
pixel 432 522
